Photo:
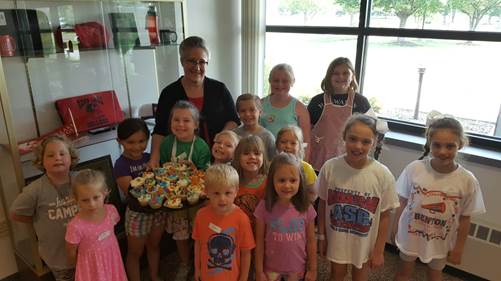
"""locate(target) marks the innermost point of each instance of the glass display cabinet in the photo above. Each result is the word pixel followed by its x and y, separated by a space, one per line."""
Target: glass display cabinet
pixel 64 60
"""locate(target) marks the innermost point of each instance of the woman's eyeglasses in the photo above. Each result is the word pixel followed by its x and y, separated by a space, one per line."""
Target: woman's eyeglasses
pixel 200 63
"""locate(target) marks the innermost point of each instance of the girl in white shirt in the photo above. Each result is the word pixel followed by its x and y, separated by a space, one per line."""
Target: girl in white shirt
pixel 437 198
pixel 356 194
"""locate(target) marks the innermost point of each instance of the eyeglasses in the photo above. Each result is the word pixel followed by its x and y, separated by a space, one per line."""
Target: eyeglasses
pixel 200 63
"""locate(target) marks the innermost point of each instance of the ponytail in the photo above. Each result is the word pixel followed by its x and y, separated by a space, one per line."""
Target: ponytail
pixel 426 150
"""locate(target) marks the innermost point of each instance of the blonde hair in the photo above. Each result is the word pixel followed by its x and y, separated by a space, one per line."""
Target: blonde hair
pixel 234 137
pixel 221 175
pixel 299 136
pixel 87 177
pixel 284 67
pixel 246 97
pixel 248 144
pixel 39 151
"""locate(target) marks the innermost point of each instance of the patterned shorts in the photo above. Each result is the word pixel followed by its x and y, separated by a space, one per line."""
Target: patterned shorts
pixel 140 224
pixel 63 274
pixel 435 264
pixel 178 224
pixel 275 276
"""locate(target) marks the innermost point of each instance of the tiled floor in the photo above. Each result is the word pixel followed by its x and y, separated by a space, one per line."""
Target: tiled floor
pixel 169 265
pixel 385 274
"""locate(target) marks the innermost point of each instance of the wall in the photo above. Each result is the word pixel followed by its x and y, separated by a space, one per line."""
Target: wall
pixel 219 23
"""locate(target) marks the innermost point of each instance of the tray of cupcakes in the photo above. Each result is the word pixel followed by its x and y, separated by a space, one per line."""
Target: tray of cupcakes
pixel 174 186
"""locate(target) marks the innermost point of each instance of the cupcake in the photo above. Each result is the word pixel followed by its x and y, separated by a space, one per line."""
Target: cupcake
pixel 193 198
pixel 137 182
pixel 144 199
pixel 173 203
pixel 149 182
pixel 156 201
pixel 136 192
pixel 182 183
pixel 159 171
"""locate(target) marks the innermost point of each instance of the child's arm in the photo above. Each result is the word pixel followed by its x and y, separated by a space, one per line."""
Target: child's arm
pixel 245 261
pixel 396 218
pixel 156 140
pixel 322 241
pixel 71 250
pixel 123 183
pixel 259 252
pixel 197 260
pixel 454 256
pixel 311 248
pixel 377 255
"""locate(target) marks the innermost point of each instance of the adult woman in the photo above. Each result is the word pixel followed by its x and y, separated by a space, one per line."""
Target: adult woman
pixel 211 97
pixel 330 110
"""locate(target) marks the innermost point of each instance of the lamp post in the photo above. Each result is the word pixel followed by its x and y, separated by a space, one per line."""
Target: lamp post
pixel 421 71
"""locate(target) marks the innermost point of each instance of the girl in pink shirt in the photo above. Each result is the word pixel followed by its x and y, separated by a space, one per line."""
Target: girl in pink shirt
pixel 90 238
pixel 285 224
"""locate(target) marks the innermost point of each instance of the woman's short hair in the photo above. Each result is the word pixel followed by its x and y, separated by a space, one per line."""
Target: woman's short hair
pixel 192 42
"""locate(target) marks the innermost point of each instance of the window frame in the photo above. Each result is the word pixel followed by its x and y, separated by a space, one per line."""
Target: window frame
pixel 364 31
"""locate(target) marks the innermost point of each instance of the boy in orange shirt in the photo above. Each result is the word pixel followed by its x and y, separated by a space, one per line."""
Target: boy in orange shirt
pixel 222 232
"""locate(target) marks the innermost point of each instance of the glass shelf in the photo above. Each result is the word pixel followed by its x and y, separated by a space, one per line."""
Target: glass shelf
pixel 112 51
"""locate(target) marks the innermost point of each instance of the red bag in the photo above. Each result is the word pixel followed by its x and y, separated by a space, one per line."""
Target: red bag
pixel 91 35
pixel 91 111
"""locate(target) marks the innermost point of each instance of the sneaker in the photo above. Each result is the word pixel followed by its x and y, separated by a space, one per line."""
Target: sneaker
pixel 182 272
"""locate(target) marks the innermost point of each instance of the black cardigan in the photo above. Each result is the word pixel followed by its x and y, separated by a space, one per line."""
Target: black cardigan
pixel 218 108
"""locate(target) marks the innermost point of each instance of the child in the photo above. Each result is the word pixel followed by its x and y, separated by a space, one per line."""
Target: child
pixel 222 232
pixel 144 226
pixel 330 110
pixel 183 145
pixel 224 146
pixel 252 166
pixel 90 237
pixel 432 190
pixel 290 140
pixel 249 108
pixel 285 225
pixel 280 109
pixel 357 194
pixel 48 203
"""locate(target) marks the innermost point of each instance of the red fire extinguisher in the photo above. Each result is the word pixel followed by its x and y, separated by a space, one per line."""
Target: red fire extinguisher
pixel 151 25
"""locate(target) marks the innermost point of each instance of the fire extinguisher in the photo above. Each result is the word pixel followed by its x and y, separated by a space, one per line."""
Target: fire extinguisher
pixel 151 25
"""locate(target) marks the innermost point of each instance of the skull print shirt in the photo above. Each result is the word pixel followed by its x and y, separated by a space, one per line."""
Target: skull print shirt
pixel 221 238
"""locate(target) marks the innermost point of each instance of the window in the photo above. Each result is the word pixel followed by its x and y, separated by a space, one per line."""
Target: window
pixel 410 59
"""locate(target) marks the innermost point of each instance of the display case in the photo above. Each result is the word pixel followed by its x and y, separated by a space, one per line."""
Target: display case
pixel 123 50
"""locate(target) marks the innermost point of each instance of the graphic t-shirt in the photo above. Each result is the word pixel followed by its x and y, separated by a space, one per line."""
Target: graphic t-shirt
pixel 51 208
pixel 354 200
pixel 221 239
pixel 435 202
pixel 285 237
